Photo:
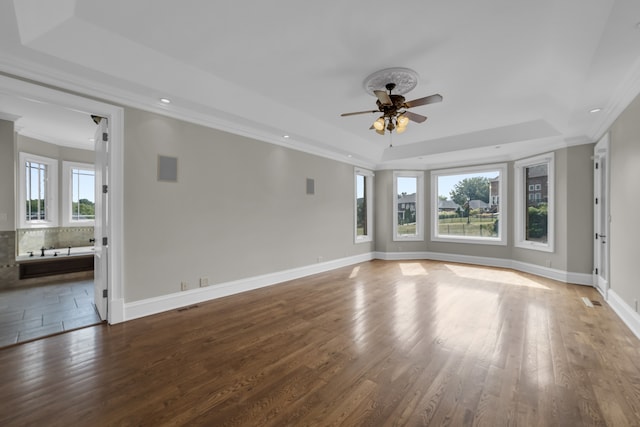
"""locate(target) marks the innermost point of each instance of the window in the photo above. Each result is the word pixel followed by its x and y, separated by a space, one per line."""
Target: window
pixel 534 211
pixel 469 205
pixel 78 193
pixel 364 205
pixel 38 191
pixel 408 205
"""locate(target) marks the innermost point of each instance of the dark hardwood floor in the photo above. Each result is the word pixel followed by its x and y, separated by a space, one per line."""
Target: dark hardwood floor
pixel 382 343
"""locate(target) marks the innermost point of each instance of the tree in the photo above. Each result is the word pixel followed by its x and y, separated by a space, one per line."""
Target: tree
pixel 476 188
pixel 442 198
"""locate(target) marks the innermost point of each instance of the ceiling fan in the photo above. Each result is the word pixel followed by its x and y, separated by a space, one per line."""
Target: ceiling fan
pixel 394 110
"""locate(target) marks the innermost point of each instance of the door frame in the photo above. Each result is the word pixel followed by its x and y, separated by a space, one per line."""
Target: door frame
pixel 115 114
pixel 601 215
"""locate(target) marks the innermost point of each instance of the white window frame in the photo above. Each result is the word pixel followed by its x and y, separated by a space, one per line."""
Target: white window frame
pixel 369 198
pixel 67 194
pixel 419 236
pixel 51 191
pixel 521 202
pixel 502 197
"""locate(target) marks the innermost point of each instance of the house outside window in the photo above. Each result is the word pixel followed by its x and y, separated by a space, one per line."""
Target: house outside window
pixel 408 206
pixel 468 205
pixel 534 188
pixel 363 205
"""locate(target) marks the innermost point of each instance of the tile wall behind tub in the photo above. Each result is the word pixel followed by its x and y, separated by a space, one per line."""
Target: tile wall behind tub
pixel 32 239
pixel 9 270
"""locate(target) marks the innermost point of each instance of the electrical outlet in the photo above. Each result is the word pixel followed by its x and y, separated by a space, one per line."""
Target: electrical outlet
pixel 548 262
pixel 319 259
pixel 204 281
pixel 184 286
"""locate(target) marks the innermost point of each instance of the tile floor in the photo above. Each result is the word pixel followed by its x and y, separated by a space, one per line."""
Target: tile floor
pixel 26 314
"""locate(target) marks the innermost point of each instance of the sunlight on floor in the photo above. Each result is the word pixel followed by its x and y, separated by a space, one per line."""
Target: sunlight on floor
pixel 494 275
pixel 412 269
pixel 354 272
pixel 360 316
pixel 405 322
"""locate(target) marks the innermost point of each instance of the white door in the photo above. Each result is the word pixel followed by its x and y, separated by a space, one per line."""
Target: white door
pixel 102 219
pixel 601 215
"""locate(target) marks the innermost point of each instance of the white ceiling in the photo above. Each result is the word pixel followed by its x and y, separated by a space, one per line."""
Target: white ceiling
pixel 517 77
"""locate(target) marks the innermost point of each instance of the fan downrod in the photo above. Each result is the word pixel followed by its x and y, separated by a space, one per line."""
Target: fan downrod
pixel 390 87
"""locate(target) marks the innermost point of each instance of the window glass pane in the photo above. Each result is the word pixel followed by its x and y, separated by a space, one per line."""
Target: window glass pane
pixel 469 205
pixel 83 194
pixel 537 177
pixel 407 188
pixel 36 184
pixel 361 200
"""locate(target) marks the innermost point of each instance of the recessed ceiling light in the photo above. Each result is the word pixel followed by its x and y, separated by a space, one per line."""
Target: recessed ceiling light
pixel 349 155
pixel 286 136
pixel 595 110
pixel 92 140
pixel 165 100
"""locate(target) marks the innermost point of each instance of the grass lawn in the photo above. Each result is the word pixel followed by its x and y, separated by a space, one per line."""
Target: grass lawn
pixel 407 228
pixel 481 227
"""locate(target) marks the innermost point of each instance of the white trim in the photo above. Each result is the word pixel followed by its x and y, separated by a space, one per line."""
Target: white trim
pixel 419 236
pixel 601 254
pixel 503 203
pixel 519 239
pixel 67 193
pixel 624 312
pixel 149 306
pixel 369 195
pixel 51 191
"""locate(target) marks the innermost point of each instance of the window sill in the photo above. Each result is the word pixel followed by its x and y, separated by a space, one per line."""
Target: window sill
pixel 367 239
pixel 534 246
pixel 470 240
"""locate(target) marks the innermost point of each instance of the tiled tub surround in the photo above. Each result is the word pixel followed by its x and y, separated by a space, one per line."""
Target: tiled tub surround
pixel 9 262
pixel 60 238
pixel 9 269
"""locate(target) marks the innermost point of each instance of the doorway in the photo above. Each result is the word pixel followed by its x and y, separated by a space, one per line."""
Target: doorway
pixel 601 215
pixel 109 284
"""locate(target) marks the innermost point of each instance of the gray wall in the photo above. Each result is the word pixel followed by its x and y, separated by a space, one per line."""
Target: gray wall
pixel 7 203
pixel 239 208
pixel 625 204
pixel 573 250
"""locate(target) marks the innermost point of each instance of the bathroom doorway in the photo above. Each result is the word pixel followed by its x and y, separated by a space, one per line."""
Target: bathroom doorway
pixel 75 289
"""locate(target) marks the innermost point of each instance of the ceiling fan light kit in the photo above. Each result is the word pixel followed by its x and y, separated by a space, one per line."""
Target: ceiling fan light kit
pixel 393 107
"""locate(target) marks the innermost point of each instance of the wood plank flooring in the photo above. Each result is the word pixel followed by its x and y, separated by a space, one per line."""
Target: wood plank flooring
pixel 383 343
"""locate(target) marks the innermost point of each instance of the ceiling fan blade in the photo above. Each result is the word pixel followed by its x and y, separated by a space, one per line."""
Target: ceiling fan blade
pixel 423 101
pixel 383 97
pixel 359 112
pixel 418 118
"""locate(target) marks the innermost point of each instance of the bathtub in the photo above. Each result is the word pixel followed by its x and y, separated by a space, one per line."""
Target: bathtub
pixel 55 262
pixel 57 252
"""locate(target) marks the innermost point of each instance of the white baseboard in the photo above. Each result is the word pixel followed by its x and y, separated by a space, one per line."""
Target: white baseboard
pixel 121 312
pixel 149 306
pixel 624 311
pixel 550 273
